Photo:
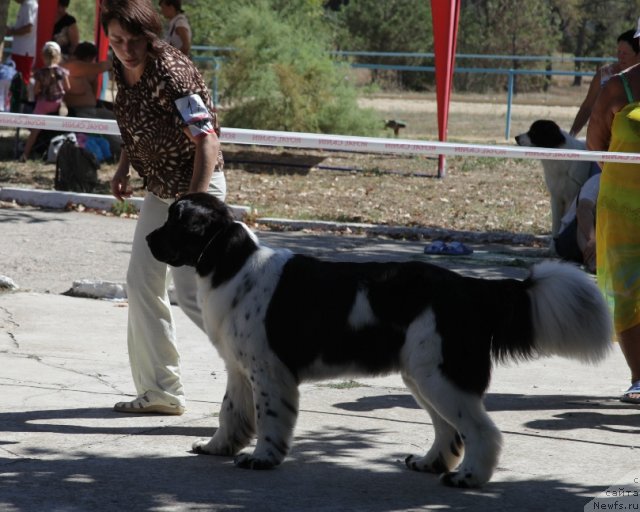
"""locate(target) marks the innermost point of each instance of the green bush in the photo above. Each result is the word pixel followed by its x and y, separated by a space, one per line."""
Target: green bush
pixel 281 75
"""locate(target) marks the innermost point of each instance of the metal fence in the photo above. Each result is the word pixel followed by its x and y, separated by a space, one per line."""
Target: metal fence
pixel 215 57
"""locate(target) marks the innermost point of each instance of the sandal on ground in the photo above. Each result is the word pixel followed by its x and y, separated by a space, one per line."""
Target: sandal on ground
pixel 633 390
pixel 142 405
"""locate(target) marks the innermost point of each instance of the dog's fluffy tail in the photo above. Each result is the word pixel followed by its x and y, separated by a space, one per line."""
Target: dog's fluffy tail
pixel 569 314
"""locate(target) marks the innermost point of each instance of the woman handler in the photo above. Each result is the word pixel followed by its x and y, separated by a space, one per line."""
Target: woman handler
pixel 170 137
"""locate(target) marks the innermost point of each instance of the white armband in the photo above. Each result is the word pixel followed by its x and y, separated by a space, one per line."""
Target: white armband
pixel 195 115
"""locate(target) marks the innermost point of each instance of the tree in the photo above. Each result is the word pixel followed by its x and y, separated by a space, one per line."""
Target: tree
pixel 504 27
pixel 401 26
pixel 590 27
pixel 280 75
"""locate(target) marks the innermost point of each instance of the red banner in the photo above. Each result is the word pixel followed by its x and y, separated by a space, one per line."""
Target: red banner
pixel 444 15
pixel 46 20
pixel 102 42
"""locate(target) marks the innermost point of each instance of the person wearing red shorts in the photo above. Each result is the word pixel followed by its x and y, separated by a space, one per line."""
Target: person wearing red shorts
pixel 23 47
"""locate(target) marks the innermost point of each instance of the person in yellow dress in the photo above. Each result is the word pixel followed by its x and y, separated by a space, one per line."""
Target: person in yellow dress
pixel 614 125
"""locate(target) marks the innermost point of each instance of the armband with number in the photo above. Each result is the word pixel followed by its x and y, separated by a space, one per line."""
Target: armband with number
pixel 195 115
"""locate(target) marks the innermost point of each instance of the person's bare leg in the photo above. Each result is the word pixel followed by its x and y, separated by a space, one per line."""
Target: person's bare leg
pixel 31 140
pixel 630 345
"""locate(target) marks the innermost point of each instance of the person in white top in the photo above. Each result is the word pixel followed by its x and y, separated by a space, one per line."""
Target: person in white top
pixel 576 240
pixel 178 33
pixel 23 47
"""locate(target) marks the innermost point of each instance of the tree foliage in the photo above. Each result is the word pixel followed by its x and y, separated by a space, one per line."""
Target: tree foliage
pixel 282 68
pixel 585 28
pixel 400 26
pixel 591 27
pixel 500 27
pixel 280 75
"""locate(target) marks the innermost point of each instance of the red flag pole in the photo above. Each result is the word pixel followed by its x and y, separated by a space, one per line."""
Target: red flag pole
pixel 445 16
pixel 44 32
pixel 102 43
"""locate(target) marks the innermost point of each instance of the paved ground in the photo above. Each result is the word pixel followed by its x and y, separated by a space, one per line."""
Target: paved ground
pixel 567 439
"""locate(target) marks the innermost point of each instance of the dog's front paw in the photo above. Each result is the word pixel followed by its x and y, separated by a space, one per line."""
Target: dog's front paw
pixel 207 447
pixel 248 461
pixel 418 463
pixel 461 479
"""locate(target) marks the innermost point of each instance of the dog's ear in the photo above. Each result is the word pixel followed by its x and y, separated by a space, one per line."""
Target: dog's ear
pixel 210 205
pixel 184 216
pixel 176 211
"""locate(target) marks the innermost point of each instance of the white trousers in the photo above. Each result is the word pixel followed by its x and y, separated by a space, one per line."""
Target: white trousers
pixel 151 334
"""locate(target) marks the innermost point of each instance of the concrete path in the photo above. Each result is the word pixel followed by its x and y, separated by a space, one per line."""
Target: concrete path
pixel 63 360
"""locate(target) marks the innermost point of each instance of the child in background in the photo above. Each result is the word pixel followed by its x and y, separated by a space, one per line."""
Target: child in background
pixel 51 82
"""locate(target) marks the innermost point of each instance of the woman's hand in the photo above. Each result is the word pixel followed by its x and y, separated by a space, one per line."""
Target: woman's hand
pixel 120 182
pixel 120 186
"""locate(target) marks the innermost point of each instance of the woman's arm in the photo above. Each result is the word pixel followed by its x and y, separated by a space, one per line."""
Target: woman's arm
pixel 183 34
pixel 587 105
pixel 206 159
pixel 610 100
pixel 87 69
pixel 19 31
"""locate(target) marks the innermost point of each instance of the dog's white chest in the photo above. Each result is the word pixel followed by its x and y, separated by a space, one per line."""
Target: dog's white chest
pixel 235 311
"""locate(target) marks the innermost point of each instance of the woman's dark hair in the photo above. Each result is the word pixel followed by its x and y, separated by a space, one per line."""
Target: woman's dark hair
pixel 176 4
pixel 628 38
pixel 138 17
pixel 63 3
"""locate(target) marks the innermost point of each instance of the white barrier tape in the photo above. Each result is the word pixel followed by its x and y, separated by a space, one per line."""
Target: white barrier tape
pixel 333 142
pixel 59 123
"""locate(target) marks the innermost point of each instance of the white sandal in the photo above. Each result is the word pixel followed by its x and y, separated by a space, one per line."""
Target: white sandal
pixel 142 405
pixel 633 390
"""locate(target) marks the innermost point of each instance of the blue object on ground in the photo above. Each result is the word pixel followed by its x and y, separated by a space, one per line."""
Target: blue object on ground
pixel 450 249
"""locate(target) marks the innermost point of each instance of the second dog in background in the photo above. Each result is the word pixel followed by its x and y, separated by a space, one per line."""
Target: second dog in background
pixel 562 177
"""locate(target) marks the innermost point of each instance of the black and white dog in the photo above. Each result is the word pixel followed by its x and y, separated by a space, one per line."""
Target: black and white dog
pixel 562 177
pixel 279 318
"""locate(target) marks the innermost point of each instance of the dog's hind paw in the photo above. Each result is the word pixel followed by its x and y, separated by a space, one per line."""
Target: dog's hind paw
pixel 200 446
pixel 248 461
pixel 460 479
pixel 418 463
pixel 205 447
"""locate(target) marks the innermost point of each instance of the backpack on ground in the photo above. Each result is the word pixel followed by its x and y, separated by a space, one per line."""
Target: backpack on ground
pixel 56 143
pixel 76 168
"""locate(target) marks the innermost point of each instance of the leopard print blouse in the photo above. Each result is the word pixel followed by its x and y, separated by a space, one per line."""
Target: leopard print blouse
pixel 151 125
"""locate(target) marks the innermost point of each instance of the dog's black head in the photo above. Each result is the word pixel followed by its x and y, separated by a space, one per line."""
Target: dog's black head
pixel 542 134
pixel 193 221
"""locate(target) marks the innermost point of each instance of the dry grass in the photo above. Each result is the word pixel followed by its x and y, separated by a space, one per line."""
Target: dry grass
pixel 478 194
